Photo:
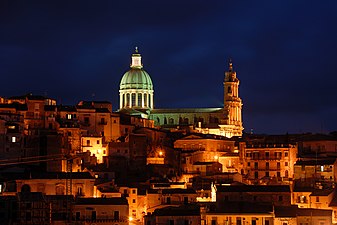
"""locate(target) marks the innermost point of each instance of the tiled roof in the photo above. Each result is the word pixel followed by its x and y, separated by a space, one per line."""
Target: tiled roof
pixel 203 163
pixel 254 188
pixel 285 211
pixel 171 191
pixel 243 208
pixel 184 210
pixel 187 110
pixel 325 161
pixel 20 107
pixel 313 212
pixel 101 201
pixel 46 175
pixel 320 192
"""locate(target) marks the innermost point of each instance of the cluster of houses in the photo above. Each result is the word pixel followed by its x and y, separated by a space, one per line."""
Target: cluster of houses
pixel 85 164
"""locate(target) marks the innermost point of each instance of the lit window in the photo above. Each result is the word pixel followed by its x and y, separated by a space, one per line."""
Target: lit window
pixel 13 139
pixel 69 116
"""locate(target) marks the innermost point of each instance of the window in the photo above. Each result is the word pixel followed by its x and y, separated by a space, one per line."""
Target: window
pixel 286 164
pixel 127 99
pixel 133 99
pixel 145 100
pixel 133 200
pixel 317 198
pixel 238 220
pixel 168 200
pixel 79 191
pixel 93 215
pixel 185 200
pixel 28 216
pixel 86 120
pixel 133 191
pixel 248 164
pixel 213 222
pixel 88 142
pixel 256 165
pixel 13 139
pixel 253 221
pixel 256 175
pixel 278 174
pixel 278 165
pixel 116 215
pixel 139 103
pixel 267 155
pixel 267 165
pixel 267 174
pixel 78 215
pixel 285 154
pixel 28 205
pixel 97 142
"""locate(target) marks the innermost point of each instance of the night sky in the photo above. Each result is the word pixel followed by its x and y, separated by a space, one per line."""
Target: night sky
pixel 284 53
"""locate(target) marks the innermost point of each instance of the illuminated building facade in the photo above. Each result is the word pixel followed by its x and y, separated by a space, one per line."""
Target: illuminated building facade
pixel 137 98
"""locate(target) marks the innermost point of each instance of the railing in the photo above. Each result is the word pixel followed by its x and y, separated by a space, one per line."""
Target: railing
pixel 264 157
pixel 85 124
pixel 100 219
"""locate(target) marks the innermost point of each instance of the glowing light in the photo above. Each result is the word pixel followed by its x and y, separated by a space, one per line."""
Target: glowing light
pixel 216 157
pixel 130 218
pixel 160 153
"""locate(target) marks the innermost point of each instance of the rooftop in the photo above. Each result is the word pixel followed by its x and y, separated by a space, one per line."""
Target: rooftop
pixel 254 188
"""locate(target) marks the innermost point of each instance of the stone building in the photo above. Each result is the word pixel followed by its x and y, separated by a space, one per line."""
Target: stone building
pixel 137 98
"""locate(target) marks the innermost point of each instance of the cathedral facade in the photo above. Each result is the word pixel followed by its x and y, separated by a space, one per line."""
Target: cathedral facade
pixel 137 98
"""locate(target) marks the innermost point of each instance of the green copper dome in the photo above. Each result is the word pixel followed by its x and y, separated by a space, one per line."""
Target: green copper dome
pixel 136 78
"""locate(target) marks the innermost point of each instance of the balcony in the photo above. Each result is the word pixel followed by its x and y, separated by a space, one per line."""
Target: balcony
pixel 99 220
pixel 85 124
pixel 265 157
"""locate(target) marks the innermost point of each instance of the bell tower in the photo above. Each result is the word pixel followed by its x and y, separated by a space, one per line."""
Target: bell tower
pixel 232 101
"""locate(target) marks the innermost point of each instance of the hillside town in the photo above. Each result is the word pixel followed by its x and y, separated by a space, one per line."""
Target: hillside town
pixel 88 164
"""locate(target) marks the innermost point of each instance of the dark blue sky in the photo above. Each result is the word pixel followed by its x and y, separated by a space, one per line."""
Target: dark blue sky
pixel 284 52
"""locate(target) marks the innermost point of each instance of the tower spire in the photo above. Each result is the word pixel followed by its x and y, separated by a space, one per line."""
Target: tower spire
pixel 230 65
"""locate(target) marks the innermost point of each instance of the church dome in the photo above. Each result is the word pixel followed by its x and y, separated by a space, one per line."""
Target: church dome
pixel 136 78
pixel 136 88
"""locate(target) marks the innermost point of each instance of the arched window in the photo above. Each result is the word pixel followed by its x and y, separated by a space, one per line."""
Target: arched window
pixel 171 121
pixel 165 120
pixel 145 100
pixel 127 99
pixel 25 188
pixel 59 190
pixel 286 173
pixel 139 100
pixel 123 100
pixel 133 99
